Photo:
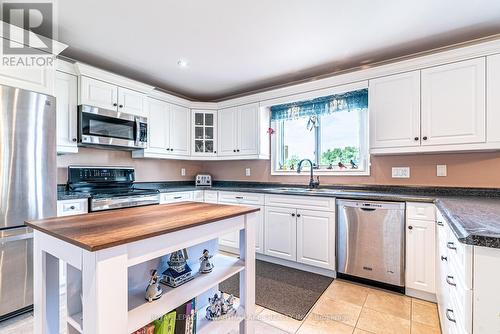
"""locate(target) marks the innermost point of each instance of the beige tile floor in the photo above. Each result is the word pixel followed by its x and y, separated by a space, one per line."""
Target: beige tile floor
pixel 343 308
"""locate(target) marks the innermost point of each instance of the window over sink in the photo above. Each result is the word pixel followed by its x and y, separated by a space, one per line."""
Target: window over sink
pixel 331 131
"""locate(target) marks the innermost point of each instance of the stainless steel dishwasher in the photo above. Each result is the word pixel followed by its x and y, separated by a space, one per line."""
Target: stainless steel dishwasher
pixel 370 240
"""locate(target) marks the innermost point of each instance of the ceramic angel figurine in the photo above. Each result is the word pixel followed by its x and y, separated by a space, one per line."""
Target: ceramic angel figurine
pixel 153 291
pixel 206 266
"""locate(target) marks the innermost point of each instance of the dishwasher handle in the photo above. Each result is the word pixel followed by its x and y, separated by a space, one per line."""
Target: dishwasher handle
pixel 368 209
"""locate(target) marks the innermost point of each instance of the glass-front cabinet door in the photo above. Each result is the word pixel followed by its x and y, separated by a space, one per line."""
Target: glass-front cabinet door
pixel 204 133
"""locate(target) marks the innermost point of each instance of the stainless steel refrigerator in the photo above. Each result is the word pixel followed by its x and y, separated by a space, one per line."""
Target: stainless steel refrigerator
pixel 28 188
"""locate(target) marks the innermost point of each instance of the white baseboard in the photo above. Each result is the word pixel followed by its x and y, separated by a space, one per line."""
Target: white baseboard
pixel 430 297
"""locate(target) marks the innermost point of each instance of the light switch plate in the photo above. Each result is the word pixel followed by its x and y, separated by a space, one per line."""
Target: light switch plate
pixel 183 171
pixel 247 172
pixel 441 170
pixel 401 172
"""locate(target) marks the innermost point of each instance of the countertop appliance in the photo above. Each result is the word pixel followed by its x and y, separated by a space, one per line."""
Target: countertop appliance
pixel 110 187
pixel 109 128
pixel 203 180
pixel 28 187
pixel 370 240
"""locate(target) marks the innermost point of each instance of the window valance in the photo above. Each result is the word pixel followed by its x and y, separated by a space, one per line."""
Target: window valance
pixel 322 105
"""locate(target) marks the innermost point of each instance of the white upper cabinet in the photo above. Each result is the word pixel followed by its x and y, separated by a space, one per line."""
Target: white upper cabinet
pixel 105 95
pixel 66 108
pixel 169 131
pixel 493 96
pixel 158 123
pixel 228 132
pixel 248 129
pixel 204 133
pixel 239 130
pixel 180 125
pixel 395 110
pixel 98 93
pixel 131 102
pixel 453 103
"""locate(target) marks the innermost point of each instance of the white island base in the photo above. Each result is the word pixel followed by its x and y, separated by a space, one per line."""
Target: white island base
pixel 98 293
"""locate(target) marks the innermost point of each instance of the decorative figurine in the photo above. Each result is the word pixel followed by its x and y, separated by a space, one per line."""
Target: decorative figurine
pixel 218 306
pixel 178 271
pixel 353 165
pixel 206 266
pixel 153 291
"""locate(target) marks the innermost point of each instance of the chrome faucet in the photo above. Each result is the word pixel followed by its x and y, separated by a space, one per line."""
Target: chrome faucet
pixel 312 184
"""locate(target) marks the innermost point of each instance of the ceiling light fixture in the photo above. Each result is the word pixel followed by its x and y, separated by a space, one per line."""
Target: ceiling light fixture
pixel 182 63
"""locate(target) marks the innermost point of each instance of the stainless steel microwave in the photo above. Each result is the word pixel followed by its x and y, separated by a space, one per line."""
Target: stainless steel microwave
pixel 110 128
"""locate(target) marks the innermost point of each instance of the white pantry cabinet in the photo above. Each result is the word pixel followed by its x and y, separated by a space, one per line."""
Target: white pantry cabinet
pixel 493 98
pixel 204 133
pixel 316 238
pixel 238 130
pixel 453 103
pixel 395 110
pixel 280 233
pixel 66 109
pixel 105 95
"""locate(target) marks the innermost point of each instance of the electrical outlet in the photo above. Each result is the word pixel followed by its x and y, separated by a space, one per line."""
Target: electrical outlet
pixel 401 172
pixel 183 171
pixel 441 170
pixel 247 172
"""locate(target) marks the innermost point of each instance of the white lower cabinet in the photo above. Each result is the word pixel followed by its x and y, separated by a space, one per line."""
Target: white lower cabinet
pixel 174 197
pixel 280 235
pixel 420 255
pixel 316 238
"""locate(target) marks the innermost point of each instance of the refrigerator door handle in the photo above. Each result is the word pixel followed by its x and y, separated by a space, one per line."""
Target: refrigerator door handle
pixel 18 237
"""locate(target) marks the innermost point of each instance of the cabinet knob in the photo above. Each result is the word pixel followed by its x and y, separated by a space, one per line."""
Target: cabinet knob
pixel 410 227
pixel 293 214
pixel 424 137
pixel 120 106
pixel 74 139
pixel 444 258
pixel 234 150
pixel 115 104
pixel 416 138
pixel 298 214
pixel 72 207
pixel 215 152
pixel 237 150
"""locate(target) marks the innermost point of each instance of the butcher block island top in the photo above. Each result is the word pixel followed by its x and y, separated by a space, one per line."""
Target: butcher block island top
pixel 100 230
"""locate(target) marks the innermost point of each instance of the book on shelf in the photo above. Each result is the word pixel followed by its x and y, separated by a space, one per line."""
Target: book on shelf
pixel 185 318
pixel 166 324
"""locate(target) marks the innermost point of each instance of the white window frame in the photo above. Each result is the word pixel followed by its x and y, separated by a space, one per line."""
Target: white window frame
pixel 363 139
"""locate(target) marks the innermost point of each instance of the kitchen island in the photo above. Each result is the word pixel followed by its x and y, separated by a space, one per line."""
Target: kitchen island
pixel 101 249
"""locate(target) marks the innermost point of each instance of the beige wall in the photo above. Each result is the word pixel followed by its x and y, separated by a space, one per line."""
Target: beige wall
pixel 464 170
pixel 146 169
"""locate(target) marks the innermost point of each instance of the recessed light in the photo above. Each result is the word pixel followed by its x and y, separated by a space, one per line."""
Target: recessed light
pixel 182 63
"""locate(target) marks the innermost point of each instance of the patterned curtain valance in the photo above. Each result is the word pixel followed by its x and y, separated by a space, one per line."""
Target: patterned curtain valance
pixel 322 105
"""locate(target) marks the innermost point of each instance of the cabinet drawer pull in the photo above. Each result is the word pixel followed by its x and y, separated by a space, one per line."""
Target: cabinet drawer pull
pixel 177 197
pixel 451 245
pixel 239 197
pixel 72 207
pixel 449 280
pixel 440 223
pixel 444 258
pixel 450 318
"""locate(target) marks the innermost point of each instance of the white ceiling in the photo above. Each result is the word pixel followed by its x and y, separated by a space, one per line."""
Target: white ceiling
pixel 236 46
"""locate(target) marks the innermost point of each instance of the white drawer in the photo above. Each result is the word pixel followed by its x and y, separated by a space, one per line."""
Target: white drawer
pixel 461 300
pixel 421 211
pixel 72 207
pixel 241 198
pixel 198 196
pixel 301 202
pixel 211 196
pixel 176 197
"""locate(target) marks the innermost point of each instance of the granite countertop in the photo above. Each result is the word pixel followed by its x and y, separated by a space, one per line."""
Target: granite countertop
pixel 472 213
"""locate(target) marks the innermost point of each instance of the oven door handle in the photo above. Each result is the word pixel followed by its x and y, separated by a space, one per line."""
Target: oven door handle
pixel 137 131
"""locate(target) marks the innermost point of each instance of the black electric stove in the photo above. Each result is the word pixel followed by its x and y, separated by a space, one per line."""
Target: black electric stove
pixel 110 187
